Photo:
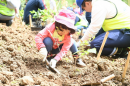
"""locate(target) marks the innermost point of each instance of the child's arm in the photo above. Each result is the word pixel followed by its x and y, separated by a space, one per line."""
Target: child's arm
pixel 65 48
pixel 40 37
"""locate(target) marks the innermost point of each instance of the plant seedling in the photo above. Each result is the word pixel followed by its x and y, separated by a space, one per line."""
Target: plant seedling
pixel 42 16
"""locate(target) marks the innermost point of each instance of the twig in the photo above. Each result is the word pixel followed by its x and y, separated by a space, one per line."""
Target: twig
pixel 102 46
pixel 30 20
pixel 126 66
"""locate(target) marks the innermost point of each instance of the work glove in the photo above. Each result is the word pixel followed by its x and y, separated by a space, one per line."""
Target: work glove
pixel 53 63
pixel 43 51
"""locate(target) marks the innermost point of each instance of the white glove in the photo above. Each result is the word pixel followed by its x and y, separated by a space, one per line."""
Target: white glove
pixel 53 63
pixel 43 51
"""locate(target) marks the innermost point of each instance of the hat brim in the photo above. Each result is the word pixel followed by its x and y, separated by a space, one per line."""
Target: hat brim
pixel 68 24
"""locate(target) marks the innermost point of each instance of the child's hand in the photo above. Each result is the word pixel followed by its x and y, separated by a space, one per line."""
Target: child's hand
pixel 43 51
pixel 53 63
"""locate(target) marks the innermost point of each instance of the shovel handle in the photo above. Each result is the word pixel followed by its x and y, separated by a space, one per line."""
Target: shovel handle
pixel 107 78
pixel 47 62
pixel 102 46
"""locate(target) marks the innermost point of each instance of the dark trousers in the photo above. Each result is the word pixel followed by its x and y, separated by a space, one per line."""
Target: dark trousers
pixel 116 38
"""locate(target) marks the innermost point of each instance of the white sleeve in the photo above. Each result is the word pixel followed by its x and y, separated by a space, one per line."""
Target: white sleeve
pixel 100 11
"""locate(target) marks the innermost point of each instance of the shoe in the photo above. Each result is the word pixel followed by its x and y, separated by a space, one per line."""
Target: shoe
pixel 123 53
pixel 9 22
pixel 125 56
pixel 80 63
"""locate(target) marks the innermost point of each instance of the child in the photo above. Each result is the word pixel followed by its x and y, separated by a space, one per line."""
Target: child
pixel 56 38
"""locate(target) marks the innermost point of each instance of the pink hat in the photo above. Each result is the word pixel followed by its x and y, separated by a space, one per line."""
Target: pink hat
pixel 66 17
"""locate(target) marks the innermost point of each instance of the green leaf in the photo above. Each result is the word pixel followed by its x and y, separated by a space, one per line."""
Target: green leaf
pixel 93 50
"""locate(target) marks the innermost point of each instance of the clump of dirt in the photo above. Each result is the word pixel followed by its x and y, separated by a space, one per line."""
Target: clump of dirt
pixel 21 64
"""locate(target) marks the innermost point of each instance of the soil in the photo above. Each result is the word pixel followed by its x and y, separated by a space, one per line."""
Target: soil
pixel 21 64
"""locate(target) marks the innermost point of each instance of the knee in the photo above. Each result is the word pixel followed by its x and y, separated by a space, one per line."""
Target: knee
pixel 48 41
pixel 93 43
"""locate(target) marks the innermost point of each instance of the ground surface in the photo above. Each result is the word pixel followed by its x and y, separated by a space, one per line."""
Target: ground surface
pixel 21 64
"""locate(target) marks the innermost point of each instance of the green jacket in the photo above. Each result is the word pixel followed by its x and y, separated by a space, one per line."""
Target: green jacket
pixel 4 10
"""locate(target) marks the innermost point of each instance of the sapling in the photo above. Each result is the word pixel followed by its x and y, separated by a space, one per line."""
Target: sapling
pixel 77 70
pixel 66 59
pixel 1 65
pixel 21 12
pixel 13 82
pixel 19 48
pixel 37 16
pixel 42 15
pixel 1 29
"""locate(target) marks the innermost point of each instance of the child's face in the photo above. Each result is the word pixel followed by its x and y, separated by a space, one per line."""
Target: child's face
pixel 62 31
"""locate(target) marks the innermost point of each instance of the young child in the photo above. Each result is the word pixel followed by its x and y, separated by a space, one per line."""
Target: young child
pixel 56 38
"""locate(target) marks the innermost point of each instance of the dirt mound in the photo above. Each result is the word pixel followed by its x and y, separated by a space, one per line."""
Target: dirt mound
pixel 21 64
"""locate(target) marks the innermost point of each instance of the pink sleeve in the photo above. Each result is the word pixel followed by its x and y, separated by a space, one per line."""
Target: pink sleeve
pixel 40 37
pixel 65 48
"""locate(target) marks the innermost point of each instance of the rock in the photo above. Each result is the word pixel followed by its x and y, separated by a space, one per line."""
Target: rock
pixel 1 83
pixel 38 80
pixel 13 67
pixel 10 48
pixel 26 80
pixel 1 76
pixel 6 85
pixel 7 73
pixel 102 66
pixel 70 85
